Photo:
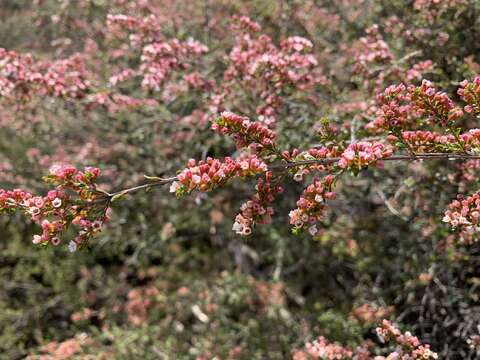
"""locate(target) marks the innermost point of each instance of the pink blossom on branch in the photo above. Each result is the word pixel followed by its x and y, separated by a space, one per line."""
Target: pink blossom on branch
pixel 257 210
pixel 245 132
pixel 209 174
pixel 435 105
pixel 74 200
pixel 408 347
pixel 311 207
pixel 463 214
pixel 360 155
pixel 159 59
pixel 394 110
pixel 470 93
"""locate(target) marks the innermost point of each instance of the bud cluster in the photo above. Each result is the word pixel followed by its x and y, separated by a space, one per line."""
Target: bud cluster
pixel 75 200
pixel 257 209
pixel 159 59
pixel 209 174
pixel 360 155
pixel 463 214
pixel 321 153
pixel 311 207
pixel 245 132
pixel 22 77
pixel 435 105
pixel 266 71
pixel 394 112
pixel 321 348
pixel 410 346
pixel 470 93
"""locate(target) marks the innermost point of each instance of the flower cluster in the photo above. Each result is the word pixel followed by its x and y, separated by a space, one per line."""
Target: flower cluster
pixel 297 44
pixel 22 77
pixel 309 157
pixel 245 24
pixel 16 76
pixel 463 214
pixel 257 209
pixel 197 81
pixel 435 105
pixel 209 174
pixel 75 200
pixel 360 155
pixel 122 76
pixel 470 93
pixel 420 141
pixel 140 30
pixel 161 58
pixel 399 109
pixel 245 132
pixel 471 140
pixel 67 78
pixel 393 112
pixel 311 207
pixel 269 72
pixel 428 141
pixel 371 55
pixel 433 9
pixel 323 349
pixel 411 348
pixel 374 50
pixel 417 70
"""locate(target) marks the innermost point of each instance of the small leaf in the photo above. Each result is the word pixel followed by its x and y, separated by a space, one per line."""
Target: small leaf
pixel 152 178
pixel 118 196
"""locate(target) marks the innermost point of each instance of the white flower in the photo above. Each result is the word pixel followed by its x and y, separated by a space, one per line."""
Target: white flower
pixel 199 314
pixel 237 227
pixel 56 203
pixel 174 186
pixel 298 176
pixel 313 230
pixel 37 239
pixel 72 246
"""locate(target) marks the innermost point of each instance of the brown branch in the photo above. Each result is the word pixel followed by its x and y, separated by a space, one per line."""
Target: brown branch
pixel 411 157
pixel 424 156
pixel 144 186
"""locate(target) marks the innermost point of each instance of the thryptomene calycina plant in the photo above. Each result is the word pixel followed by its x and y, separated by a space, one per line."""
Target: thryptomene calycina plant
pixel 76 199
pixel 301 183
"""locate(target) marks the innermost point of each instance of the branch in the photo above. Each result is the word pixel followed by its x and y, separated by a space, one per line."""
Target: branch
pixel 411 157
pixel 424 156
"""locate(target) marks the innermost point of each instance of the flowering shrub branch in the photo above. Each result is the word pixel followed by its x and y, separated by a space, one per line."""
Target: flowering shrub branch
pixel 407 347
pixel 414 123
pixel 76 199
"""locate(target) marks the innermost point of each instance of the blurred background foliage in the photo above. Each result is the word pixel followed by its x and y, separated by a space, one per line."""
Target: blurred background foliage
pixel 169 279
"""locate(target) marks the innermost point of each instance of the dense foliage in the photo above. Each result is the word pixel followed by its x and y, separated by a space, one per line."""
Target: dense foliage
pixel 339 140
